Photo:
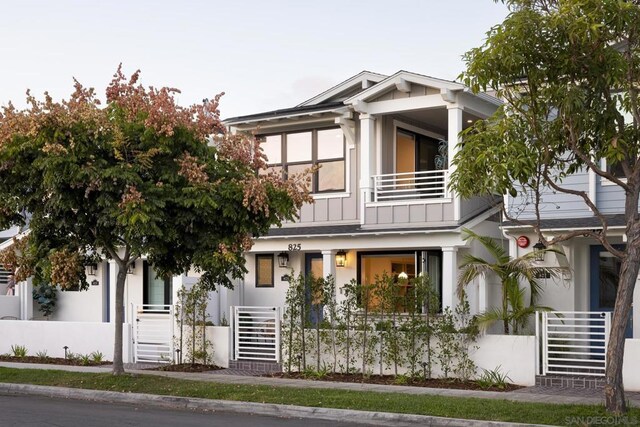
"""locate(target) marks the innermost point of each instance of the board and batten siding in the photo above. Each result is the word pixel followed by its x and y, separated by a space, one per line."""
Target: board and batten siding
pixel 409 214
pixel 609 197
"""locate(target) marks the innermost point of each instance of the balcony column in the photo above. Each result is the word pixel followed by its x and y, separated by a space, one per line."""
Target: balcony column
pixel 329 263
pixel 454 129
pixel 449 277
pixel 367 158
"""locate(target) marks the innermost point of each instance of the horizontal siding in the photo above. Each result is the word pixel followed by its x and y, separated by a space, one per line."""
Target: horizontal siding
pixel 555 204
pixel 610 198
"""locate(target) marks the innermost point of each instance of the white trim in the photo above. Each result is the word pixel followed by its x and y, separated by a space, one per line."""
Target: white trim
pixel 409 203
pixel 277 120
pixel 358 79
pixel 322 196
pixel 604 181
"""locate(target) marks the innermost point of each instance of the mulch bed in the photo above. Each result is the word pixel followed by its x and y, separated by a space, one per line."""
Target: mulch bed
pixel 391 380
pixel 51 361
pixel 187 367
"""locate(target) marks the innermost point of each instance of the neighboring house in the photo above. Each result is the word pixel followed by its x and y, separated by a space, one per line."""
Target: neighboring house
pixel 381 197
pixel 592 282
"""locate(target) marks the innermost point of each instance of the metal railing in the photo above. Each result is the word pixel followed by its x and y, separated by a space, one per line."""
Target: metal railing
pixel 573 342
pixel 256 333
pixel 153 333
pixel 410 185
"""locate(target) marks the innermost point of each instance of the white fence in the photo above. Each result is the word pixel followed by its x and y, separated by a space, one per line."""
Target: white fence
pixel 573 342
pixel 9 307
pixel 153 333
pixel 52 337
pixel 410 185
pixel 256 333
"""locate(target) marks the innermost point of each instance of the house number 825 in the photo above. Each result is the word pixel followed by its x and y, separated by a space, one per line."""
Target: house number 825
pixel 293 247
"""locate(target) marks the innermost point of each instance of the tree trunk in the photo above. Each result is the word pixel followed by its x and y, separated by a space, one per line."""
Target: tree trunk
pixel 118 367
pixel 614 390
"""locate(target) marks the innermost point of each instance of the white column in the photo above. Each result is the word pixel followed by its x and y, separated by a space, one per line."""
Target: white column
pixel 367 159
pixel 454 129
pixel 113 276
pixel 482 293
pixel 449 277
pixel 329 264
pixel 24 290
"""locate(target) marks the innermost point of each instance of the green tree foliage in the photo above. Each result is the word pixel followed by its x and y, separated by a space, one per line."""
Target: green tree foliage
pixel 513 273
pixel 569 73
pixel 137 175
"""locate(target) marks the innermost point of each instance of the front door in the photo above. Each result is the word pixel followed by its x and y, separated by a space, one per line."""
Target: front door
pixel 605 274
pixel 314 272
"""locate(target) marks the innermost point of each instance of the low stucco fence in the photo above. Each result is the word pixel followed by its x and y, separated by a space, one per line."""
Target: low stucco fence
pixel 52 337
pixel 9 307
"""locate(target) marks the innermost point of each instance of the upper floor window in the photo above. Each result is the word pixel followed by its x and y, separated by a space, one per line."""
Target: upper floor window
pixel 293 152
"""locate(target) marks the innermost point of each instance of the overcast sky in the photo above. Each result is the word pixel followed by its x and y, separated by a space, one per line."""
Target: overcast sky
pixel 265 54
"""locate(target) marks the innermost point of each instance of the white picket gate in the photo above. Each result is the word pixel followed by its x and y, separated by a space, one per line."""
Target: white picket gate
pixel 256 333
pixel 573 342
pixel 153 333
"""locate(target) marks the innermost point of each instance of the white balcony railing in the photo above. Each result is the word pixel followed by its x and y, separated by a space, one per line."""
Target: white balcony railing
pixel 410 185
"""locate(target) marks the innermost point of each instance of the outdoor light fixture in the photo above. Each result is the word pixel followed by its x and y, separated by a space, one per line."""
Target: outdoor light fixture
pixel 131 269
pixel 92 269
pixel 283 260
pixel 341 259
pixel 539 251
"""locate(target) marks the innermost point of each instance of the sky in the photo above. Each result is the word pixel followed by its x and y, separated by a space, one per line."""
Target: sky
pixel 264 54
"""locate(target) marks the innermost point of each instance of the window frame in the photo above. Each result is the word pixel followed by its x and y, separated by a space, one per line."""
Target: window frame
pixel 315 179
pixel 604 181
pixel 269 256
pixel 145 287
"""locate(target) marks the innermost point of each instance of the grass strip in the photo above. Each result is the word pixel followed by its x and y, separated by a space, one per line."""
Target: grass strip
pixel 441 406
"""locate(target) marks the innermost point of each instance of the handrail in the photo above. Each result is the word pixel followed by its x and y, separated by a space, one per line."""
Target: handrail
pixel 410 185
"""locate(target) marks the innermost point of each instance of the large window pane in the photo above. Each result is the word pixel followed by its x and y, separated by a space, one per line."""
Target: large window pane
pixel 330 144
pixel 296 169
pixel 157 290
pixel 373 267
pixel 331 176
pixel 299 147
pixel 272 148
pixel 264 271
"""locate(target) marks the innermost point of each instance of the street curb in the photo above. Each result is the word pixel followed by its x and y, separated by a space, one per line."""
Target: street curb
pixel 268 409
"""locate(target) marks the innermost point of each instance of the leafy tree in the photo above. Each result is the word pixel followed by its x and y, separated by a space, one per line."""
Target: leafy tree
pixel 140 175
pixel 514 312
pixel 569 73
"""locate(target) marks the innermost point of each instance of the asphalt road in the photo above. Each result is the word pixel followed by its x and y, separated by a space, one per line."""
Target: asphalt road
pixel 36 411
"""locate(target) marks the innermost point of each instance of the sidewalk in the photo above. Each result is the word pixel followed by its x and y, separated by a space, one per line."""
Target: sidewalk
pixel 529 394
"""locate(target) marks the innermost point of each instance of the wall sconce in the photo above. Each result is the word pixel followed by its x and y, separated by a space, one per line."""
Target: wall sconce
pixel 92 269
pixel 539 251
pixel 131 269
pixel 283 260
pixel 341 259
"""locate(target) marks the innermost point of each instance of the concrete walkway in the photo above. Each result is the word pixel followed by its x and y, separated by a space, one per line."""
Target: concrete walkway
pixel 530 394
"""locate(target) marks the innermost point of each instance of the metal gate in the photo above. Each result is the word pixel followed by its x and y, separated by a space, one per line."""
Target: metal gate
pixel 153 333
pixel 573 342
pixel 256 333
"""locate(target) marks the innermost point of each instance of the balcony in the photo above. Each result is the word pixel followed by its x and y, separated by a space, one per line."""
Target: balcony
pixel 410 186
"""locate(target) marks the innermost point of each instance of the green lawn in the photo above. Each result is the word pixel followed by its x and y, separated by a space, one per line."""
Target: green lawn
pixel 472 408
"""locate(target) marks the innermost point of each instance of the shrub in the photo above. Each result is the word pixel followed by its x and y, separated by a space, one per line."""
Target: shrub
pixel 19 351
pixel 493 378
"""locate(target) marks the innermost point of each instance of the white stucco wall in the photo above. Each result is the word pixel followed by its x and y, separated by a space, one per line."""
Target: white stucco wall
pixel 9 306
pixel 630 372
pixel 220 338
pixel 80 337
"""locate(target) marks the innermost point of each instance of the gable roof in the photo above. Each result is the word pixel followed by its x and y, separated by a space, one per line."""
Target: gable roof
pixel 402 77
pixel 286 112
pixel 345 88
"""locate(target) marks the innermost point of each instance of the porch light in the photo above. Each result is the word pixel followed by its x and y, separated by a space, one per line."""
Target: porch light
pixel 283 260
pixel 92 269
pixel 539 251
pixel 341 259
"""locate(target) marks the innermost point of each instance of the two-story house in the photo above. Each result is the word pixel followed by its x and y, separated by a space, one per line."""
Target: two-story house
pixel 383 145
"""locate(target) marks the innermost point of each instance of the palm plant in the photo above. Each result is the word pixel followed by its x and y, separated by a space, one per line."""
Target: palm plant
pixel 514 311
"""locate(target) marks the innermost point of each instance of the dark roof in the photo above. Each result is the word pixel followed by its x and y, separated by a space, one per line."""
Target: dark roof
pixel 568 223
pixel 347 229
pixel 285 111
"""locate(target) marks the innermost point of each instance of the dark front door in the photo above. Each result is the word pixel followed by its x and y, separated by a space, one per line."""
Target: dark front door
pixel 605 274
pixel 313 268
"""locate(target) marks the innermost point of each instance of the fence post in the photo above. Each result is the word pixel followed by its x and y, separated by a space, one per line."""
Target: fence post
pixel 538 343
pixel 234 332
pixel 277 332
pixel 545 343
pixel 607 330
